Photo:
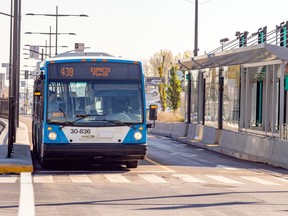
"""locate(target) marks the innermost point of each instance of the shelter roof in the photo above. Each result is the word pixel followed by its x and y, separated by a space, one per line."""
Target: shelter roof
pixel 243 55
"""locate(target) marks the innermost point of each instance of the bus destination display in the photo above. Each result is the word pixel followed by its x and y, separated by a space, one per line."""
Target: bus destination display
pixel 92 70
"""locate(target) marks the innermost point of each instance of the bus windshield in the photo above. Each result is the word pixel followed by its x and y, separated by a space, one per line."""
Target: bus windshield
pixel 95 102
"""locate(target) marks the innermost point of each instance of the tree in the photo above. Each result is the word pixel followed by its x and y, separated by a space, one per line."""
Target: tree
pixel 174 90
pixel 163 58
pixel 160 63
pixel 162 92
pixel 148 69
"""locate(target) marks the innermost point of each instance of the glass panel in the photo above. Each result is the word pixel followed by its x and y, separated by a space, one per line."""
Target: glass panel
pixel 231 97
pixel 194 95
pixel 117 101
pixel 211 97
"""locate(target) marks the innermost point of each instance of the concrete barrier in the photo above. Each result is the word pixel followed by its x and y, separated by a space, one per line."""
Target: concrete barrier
pixel 157 129
pixel 199 132
pixel 210 135
pixel 191 131
pixel 228 140
pixel 279 156
pixel 237 144
pixel 178 130
pixel 167 129
pixel 265 151
pixel 162 129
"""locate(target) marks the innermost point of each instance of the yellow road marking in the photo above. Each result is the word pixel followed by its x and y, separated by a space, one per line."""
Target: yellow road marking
pixel 161 166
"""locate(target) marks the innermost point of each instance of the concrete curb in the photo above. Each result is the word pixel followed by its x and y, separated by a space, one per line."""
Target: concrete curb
pixel 20 160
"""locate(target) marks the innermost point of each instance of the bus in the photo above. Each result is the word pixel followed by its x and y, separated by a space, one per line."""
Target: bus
pixel 91 106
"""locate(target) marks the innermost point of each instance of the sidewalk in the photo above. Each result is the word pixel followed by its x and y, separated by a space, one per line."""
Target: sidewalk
pixel 20 160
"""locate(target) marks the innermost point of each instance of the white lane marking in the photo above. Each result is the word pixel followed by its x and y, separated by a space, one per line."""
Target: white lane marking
pixel 188 178
pixel 258 180
pixel 226 167
pixel 152 178
pixel 161 166
pixel 224 179
pixel 80 179
pixel 116 178
pixel 26 200
pixel 281 179
pixel 8 179
pixel 43 179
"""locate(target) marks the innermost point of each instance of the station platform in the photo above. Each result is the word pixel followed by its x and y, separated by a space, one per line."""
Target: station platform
pixel 20 160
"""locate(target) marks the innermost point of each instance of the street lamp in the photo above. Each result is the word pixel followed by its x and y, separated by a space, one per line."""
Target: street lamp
pixel 195 53
pixel 43 46
pixel 57 15
pixel 50 33
pixel 223 41
pixel 6 14
pixel 221 87
pixel 34 51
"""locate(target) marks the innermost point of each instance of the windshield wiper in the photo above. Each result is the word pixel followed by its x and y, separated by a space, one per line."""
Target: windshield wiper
pixel 66 121
pixel 119 123
pixel 80 116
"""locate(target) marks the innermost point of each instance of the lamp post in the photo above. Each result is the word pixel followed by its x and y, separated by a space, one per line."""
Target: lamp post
pixel 196 29
pixel 223 41
pixel 57 15
pixel 50 33
pixel 15 29
pixel 35 52
pixel 195 52
pixel 221 86
pixel 43 46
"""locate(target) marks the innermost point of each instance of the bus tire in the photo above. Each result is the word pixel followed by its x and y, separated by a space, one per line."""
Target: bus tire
pixel 132 164
pixel 44 163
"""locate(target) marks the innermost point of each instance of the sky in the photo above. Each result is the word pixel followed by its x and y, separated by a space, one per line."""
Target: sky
pixel 136 29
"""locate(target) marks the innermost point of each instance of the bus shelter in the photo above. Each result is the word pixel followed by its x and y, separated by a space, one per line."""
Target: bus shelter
pixel 242 89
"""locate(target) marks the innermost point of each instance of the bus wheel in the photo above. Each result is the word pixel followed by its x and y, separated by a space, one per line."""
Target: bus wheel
pixel 44 163
pixel 132 164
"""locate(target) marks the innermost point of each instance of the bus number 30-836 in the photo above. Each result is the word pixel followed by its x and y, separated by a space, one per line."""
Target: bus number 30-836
pixel 81 131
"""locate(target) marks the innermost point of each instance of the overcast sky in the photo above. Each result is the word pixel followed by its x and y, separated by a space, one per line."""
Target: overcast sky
pixel 136 29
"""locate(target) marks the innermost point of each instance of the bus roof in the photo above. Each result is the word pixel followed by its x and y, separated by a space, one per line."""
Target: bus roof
pixel 70 54
pixel 78 56
pixel 86 55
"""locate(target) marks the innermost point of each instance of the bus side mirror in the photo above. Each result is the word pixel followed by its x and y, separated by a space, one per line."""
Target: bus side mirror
pixel 37 93
pixel 152 115
pixel 153 112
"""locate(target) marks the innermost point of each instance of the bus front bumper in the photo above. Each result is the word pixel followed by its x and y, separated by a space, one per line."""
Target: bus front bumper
pixel 116 152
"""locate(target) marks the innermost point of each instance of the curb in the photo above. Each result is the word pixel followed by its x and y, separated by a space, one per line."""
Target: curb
pixel 20 160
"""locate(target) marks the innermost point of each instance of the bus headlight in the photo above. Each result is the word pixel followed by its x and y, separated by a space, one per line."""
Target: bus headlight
pixel 137 135
pixel 52 136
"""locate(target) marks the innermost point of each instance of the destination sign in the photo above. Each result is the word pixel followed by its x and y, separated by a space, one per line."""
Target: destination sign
pixel 94 70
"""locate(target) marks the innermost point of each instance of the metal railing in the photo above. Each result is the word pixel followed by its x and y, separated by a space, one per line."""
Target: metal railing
pixel 274 37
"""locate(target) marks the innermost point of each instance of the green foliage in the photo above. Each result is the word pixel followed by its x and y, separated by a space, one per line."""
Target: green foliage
pixel 174 90
pixel 162 91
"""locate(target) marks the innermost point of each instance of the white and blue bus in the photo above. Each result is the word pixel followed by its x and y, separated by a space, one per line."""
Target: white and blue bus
pixel 90 106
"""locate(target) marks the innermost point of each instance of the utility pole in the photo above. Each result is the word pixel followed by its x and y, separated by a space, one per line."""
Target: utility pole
pixel 13 71
pixel 189 86
pixel 196 30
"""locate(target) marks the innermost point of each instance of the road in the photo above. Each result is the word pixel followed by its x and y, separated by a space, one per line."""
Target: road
pixel 175 179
